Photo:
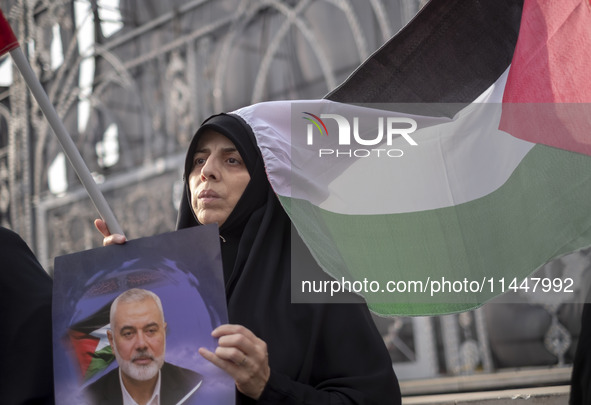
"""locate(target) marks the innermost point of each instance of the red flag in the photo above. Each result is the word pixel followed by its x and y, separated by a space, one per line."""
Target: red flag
pixel 84 346
pixel 8 40
pixel 88 340
pixel 547 98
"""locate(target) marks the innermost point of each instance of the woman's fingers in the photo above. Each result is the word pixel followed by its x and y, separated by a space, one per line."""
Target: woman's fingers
pixel 115 239
pixel 243 356
pixel 109 239
pixel 213 358
pixel 232 354
pixel 229 329
pixel 235 342
pixel 247 344
pixel 102 227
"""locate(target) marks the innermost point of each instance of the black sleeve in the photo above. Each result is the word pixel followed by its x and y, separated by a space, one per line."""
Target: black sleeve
pixel 351 365
pixel 26 367
pixel 581 376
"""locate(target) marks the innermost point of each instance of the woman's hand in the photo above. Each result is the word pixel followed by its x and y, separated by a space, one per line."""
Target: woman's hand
pixel 109 239
pixel 242 355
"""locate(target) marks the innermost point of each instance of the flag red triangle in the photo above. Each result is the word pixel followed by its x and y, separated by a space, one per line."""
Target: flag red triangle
pixel 547 98
pixel 84 346
pixel 8 40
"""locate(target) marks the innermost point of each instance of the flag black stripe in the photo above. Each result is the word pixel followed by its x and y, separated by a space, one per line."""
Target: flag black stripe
pixel 450 52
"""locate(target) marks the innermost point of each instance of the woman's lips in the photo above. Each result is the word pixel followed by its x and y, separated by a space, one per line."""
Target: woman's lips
pixel 208 196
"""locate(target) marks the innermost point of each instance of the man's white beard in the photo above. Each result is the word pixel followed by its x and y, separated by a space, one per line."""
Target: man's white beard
pixel 136 371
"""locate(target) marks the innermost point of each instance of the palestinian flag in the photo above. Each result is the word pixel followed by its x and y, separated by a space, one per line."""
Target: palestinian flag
pixel 90 344
pixel 460 156
pixel 8 40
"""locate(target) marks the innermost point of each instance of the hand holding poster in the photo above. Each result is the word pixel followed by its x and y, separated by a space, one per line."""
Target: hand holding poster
pixel 169 295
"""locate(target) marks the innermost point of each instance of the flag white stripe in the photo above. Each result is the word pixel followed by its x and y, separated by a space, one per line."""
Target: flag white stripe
pixel 456 160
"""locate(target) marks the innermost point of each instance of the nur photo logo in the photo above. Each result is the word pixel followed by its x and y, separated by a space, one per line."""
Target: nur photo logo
pixel 374 139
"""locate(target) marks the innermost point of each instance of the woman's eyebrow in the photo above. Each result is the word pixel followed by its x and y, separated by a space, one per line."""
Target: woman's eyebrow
pixel 229 149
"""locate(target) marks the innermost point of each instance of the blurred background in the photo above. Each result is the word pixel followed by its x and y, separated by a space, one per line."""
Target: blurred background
pixel 133 79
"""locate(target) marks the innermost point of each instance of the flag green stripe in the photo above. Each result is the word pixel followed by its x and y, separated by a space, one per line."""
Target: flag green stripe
pixel 540 213
pixel 100 360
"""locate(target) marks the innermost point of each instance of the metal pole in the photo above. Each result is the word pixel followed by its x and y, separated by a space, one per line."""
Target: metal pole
pixel 65 140
pixel 9 43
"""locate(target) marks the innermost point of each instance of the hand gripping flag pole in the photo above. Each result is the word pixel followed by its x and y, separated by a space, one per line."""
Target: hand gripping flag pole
pixel 9 43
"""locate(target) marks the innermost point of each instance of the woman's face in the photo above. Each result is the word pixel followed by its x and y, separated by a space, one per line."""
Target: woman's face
pixel 218 178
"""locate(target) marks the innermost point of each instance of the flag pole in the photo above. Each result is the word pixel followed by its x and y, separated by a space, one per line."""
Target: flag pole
pixel 9 43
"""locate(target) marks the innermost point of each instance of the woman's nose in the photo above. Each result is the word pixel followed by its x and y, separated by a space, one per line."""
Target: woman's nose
pixel 209 171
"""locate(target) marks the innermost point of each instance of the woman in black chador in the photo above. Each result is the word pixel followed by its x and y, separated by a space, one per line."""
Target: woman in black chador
pixel 277 352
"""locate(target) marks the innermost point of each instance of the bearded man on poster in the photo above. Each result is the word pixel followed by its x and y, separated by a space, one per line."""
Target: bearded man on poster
pixel 138 339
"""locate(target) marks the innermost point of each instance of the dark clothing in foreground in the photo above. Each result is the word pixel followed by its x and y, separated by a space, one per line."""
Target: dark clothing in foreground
pixel 318 353
pixel 580 393
pixel 175 384
pixel 26 368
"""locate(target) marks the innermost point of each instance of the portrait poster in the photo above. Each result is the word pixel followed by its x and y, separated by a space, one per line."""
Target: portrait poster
pixel 184 270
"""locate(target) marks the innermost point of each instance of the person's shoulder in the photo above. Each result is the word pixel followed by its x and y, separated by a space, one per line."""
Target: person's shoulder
pixel 7 234
pixel 178 383
pixel 180 374
pixel 99 387
pixel 11 241
pixel 22 275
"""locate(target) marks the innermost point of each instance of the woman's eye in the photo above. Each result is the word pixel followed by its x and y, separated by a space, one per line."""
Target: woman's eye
pixel 198 162
pixel 234 161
